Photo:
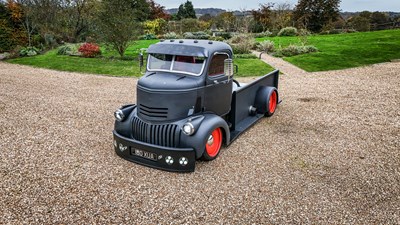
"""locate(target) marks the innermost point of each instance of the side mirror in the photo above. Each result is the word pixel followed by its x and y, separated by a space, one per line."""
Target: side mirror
pixel 228 67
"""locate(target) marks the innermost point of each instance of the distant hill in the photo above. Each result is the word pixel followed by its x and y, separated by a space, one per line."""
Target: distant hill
pixel 211 11
pixel 346 15
pixel 217 11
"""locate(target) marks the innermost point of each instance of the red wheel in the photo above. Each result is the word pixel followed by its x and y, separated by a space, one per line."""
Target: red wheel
pixel 213 145
pixel 273 100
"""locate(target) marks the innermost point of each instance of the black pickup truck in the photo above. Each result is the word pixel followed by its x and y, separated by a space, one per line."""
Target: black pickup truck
pixel 189 106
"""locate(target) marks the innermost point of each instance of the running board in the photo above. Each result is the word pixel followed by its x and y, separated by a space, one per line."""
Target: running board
pixel 244 125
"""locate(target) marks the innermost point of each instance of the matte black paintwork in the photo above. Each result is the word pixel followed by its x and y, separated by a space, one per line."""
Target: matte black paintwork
pixel 207 102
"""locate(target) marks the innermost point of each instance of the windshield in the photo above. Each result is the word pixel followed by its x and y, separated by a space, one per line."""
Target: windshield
pixel 192 65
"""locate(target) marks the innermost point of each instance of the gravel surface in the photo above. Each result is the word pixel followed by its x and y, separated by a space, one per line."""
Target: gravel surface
pixel 330 154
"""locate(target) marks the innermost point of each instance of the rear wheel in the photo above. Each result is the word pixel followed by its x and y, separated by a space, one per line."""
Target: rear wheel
pixel 213 145
pixel 272 103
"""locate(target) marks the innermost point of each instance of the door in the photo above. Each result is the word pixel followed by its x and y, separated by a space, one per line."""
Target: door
pixel 218 91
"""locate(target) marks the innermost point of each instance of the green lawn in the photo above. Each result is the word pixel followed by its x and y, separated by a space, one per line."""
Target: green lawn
pixel 252 67
pixel 117 67
pixel 342 51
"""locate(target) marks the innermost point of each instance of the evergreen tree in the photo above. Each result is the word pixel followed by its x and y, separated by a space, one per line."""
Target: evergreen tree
pixel 316 14
pixel 186 11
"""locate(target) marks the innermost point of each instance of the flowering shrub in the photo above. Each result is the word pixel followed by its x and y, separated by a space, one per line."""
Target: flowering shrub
pixel 89 50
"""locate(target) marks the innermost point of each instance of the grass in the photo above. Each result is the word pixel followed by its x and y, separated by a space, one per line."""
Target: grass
pixel 114 66
pixel 342 51
pixel 252 67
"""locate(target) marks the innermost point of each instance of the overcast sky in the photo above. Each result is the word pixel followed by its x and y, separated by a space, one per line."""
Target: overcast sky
pixel 346 5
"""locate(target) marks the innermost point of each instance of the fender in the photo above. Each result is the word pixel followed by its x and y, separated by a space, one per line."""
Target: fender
pixel 262 98
pixel 199 139
pixel 125 127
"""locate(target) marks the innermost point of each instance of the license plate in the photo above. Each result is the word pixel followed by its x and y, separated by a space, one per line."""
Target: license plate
pixel 144 154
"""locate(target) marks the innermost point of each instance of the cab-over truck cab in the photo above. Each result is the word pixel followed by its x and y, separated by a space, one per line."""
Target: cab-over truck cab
pixel 189 105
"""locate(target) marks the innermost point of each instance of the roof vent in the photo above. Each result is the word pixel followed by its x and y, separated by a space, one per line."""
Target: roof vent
pixel 172 40
pixel 196 41
pixel 162 40
pixel 210 42
pixel 181 41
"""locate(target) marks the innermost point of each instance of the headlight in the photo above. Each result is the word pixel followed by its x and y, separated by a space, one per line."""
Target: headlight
pixel 119 115
pixel 188 129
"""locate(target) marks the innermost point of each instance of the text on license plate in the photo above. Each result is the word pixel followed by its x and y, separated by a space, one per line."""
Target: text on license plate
pixel 144 154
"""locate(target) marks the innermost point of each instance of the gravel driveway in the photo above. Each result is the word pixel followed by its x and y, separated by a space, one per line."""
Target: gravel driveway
pixel 331 154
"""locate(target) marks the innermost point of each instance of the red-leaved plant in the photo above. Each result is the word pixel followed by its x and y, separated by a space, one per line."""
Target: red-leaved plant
pixel 89 50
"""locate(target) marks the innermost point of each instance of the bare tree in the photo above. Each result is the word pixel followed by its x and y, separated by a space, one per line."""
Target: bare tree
pixel 28 22
pixel 281 16
pixel 244 21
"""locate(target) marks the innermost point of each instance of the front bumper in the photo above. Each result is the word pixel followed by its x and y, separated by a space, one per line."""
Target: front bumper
pixel 128 148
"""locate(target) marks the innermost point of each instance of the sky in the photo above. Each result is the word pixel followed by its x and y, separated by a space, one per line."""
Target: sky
pixel 346 5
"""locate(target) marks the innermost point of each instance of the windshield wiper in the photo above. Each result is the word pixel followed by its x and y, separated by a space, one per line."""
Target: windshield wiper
pixel 151 74
pixel 180 78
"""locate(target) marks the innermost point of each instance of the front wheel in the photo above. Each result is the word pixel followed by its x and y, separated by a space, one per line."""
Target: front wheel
pixel 213 145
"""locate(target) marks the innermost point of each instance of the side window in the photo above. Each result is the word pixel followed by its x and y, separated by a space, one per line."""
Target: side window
pixel 217 65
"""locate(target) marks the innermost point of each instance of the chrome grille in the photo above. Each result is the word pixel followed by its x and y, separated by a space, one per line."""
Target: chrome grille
pixel 153 112
pixel 156 134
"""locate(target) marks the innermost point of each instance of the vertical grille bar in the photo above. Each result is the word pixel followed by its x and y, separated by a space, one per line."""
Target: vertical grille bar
pixel 156 134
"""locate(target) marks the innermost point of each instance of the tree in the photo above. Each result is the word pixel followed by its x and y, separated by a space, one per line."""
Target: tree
pixel 225 21
pixel 262 16
pixel 379 18
pixel 119 23
pixel 365 14
pixel 186 11
pixel 281 16
pixel 157 11
pixel 244 21
pixel 316 14
pixel 206 17
pixel 78 17
pixel 360 23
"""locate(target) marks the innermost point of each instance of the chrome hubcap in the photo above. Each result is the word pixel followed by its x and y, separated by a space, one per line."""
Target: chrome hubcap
pixel 210 140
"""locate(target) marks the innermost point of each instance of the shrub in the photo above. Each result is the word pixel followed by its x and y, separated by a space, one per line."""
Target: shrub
pixel 29 51
pixel 4 55
pixel 188 35
pixel 148 37
pixel 242 43
pixel 89 50
pixel 196 35
pixel 50 40
pixel 245 56
pixel 288 31
pixel 216 38
pixel 263 34
pixel 266 46
pixel 224 35
pixel 68 49
pixel 293 50
pixel 6 41
pixel 170 35
pixel 304 32
pixel 201 35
